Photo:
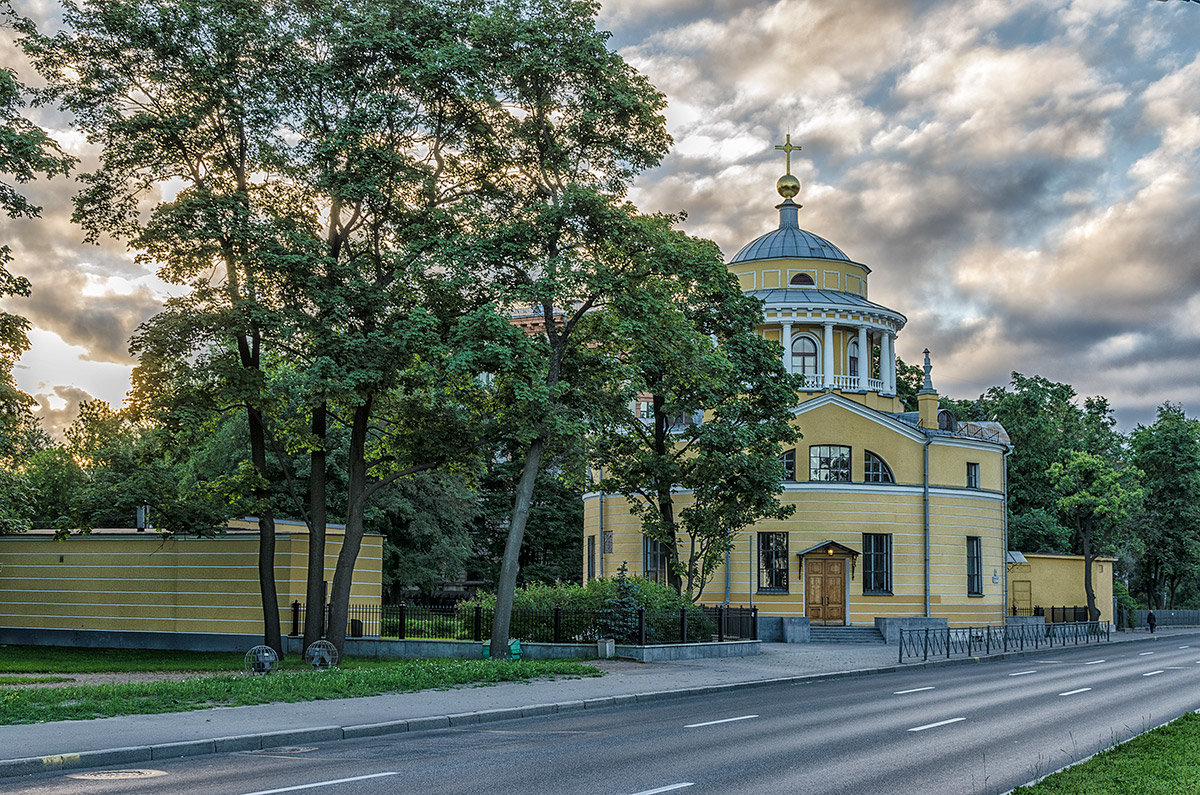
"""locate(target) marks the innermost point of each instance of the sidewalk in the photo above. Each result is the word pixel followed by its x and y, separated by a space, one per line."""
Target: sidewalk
pixel 137 739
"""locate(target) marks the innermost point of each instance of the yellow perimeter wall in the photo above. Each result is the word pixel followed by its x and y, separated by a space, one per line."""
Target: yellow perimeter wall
pixel 124 580
pixel 1057 581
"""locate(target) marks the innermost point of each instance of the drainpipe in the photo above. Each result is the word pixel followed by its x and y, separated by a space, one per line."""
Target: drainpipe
pixel 600 487
pixel 726 578
pixel 928 441
pixel 1004 473
pixel 752 572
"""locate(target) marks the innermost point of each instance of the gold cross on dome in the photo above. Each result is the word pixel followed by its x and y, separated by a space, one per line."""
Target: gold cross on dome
pixel 788 148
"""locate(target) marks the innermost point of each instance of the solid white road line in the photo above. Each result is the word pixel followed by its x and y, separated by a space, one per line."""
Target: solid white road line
pixel 1073 692
pixel 321 784
pixel 913 690
pixel 935 725
pixel 1152 673
pixel 1095 662
pixel 667 788
pixel 1143 654
pixel 1023 673
pixel 715 722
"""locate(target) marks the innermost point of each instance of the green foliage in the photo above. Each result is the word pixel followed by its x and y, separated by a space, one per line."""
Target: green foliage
pixel 1164 761
pixel 718 404
pixel 425 524
pixel 552 546
pixel 354 679
pixel 620 618
pixel 1168 454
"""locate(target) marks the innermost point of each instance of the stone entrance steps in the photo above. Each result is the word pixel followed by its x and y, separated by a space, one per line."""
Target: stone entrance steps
pixel 845 635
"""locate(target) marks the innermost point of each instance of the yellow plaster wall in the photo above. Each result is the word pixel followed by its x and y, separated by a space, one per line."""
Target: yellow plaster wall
pixel 843 515
pixel 777 273
pixel 1057 581
pixel 125 580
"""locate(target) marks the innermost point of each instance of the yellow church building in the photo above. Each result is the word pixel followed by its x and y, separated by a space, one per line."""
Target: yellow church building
pixel 898 515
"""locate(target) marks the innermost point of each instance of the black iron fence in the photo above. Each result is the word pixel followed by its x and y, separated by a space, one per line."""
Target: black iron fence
pixel 925 644
pixel 639 626
pixel 1054 615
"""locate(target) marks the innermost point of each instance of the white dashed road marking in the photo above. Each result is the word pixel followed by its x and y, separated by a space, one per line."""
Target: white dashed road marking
pixel 1143 654
pixel 1073 692
pixel 715 722
pixel 668 788
pixel 321 784
pixel 935 725
pixel 1152 673
pixel 1023 673
pixel 912 690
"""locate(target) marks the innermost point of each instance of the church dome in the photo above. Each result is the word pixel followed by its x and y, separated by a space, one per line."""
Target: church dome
pixel 789 241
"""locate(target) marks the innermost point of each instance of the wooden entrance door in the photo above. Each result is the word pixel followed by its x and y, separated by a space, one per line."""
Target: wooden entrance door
pixel 825 591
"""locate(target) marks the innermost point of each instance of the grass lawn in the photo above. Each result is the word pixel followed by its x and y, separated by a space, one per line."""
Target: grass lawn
pixel 1166 760
pixel 215 684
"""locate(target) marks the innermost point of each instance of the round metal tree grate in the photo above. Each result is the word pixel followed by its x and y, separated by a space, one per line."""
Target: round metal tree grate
pixel 260 660
pixel 117 775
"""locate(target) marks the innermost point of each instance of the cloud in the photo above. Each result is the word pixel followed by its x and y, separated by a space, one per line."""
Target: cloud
pixel 58 409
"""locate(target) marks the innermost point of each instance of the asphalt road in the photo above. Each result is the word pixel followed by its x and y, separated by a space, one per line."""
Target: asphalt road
pixel 962 729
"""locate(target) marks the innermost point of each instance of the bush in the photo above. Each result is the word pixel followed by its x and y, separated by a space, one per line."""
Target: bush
pixel 614 601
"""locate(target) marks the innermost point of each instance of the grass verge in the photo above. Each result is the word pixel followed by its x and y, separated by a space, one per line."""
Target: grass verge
pixel 356 678
pixel 1160 762
pixel 56 660
pixel 33 680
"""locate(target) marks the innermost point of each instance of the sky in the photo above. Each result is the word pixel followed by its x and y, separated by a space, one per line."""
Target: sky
pixel 1022 177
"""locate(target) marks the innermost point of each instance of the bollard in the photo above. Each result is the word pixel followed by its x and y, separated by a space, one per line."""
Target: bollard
pixel 295 618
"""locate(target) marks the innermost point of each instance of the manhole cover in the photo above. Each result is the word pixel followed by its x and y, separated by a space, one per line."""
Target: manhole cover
pixel 116 775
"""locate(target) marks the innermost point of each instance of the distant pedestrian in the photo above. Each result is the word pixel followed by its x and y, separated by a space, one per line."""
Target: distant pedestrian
pixel 1151 621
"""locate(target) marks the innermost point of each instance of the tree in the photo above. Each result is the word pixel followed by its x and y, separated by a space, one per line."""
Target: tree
pixel 574 123
pixel 1168 454
pixel 706 407
pixel 25 152
pixel 1095 498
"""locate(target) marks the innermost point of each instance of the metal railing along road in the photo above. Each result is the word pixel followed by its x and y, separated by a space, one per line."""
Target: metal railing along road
pixel 473 622
pixel 925 644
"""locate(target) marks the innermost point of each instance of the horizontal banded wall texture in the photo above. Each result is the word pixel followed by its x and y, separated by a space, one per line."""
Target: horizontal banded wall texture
pixel 123 580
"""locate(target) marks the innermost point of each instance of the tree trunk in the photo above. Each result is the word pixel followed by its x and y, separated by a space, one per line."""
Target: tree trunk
pixel 314 594
pixel 1085 537
pixel 666 507
pixel 339 603
pixel 266 537
pixel 507 585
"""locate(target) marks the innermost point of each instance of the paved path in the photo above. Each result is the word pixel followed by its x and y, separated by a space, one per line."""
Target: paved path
pixel 137 739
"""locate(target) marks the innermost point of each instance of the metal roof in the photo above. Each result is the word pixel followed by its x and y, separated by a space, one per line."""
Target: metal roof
pixel 789 241
pixel 800 296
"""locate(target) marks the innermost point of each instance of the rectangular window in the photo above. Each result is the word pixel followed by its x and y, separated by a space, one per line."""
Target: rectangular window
pixel 974 566
pixel 789 465
pixel 773 562
pixel 877 563
pixel 829 462
pixel 654 557
pixel 972 476
pixel 591 560
pixel 606 543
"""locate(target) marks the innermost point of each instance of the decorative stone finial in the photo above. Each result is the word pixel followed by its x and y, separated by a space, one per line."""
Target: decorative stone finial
pixel 928 385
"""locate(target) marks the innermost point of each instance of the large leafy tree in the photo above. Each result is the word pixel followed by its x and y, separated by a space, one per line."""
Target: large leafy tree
pixel 717 408
pixel 26 153
pixel 1094 497
pixel 1168 454
pixel 574 123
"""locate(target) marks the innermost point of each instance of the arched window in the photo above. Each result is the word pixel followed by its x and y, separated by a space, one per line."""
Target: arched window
pixel 802 280
pixel 852 359
pixel 875 469
pixel 804 356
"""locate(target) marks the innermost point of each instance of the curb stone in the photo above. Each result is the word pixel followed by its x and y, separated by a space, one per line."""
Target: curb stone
pixel 252 742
